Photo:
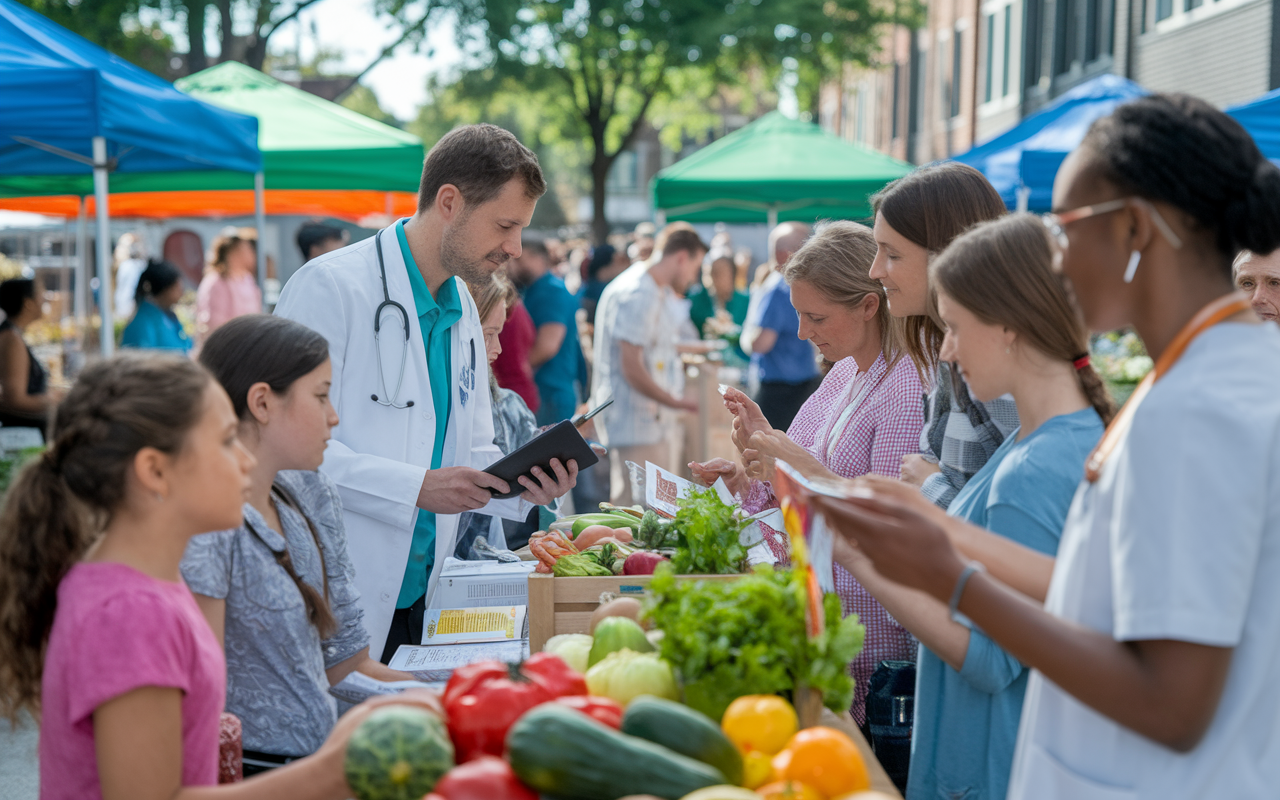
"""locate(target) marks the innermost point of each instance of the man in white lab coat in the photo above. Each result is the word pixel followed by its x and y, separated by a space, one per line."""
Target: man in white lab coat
pixel 412 391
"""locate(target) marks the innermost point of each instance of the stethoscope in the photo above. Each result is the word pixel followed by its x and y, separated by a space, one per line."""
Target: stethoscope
pixel 377 332
pixel 404 348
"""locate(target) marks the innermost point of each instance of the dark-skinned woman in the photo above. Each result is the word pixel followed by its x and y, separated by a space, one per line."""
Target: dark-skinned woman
pixel 1155 645
pixel 25 397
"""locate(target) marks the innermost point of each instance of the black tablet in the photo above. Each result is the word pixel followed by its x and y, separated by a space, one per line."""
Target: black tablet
pixel 561 441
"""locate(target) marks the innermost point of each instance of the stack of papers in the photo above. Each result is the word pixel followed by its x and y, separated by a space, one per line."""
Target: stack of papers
pixel 433 664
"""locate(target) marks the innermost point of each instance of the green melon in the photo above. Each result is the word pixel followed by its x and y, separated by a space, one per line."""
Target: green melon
pixel 398 753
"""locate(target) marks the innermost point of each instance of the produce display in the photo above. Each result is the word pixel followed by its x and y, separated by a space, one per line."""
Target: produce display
pixel 749 636
pixel 703 539
pixel 398 753
pixel 690 695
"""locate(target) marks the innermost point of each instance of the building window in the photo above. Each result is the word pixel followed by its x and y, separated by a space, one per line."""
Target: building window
pixel 1190 4
pixel 991 57
pixel 1004 62
pixel 957 51
pixel 1164 9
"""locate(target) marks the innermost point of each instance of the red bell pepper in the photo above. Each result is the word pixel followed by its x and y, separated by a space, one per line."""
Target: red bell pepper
pixel 562 679
pixel 485 778
pixel 483 700
pixel 601 709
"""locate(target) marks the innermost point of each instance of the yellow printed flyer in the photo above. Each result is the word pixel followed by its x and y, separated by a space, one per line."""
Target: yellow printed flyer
pixel 466 625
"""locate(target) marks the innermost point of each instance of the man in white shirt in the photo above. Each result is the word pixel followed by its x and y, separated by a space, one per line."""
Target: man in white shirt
pixel 636 358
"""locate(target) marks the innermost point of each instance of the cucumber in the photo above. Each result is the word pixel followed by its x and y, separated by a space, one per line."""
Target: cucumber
pixel 685 731
pixel 564 753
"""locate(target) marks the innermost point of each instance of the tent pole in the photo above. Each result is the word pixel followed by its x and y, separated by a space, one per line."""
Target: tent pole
pixel 260 220
pixel 1024 197
pixel 660 218
pixel 773 218
pixel 105 292
pixel 82 267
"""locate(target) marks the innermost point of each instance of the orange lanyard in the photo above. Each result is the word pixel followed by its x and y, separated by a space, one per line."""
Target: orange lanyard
pixel 1224 307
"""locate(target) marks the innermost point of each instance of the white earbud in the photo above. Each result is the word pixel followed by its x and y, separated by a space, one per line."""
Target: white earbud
pixel 1129 271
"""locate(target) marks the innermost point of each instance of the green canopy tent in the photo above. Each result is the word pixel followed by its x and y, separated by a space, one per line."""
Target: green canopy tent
pixel 775 169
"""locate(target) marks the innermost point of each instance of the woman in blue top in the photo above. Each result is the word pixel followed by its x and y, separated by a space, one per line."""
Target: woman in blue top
pixel 1012 329
pixel 154 325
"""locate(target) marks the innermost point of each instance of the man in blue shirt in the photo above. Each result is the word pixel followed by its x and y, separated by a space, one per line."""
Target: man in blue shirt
pixel 786 364
pixel 556 351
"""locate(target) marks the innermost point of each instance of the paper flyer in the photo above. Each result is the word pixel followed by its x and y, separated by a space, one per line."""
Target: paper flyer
pixel 469 625
pixel 663 489
pixel 433 664
pixel 358 687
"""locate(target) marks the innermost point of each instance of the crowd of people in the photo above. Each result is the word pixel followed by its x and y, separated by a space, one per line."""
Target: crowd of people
pixel 1084 590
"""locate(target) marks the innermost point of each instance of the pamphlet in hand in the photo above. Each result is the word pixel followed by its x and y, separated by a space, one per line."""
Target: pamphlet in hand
pixel 434 664
pixel 664 489
pixel 358 687
pixel 794 488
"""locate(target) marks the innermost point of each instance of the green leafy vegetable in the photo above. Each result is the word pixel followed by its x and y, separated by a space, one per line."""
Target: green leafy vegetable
pixel 706 536
pixel 726 639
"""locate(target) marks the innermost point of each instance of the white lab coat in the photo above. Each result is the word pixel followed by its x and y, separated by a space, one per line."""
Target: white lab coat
pixel 378 455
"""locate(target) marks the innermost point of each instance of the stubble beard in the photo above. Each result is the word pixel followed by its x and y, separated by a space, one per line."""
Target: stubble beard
pixel 479 271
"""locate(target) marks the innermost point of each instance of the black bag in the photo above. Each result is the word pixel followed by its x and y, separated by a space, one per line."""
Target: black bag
pixel 891 695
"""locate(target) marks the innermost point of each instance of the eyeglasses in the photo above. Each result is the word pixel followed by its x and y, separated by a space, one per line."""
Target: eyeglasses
pixel 1056 223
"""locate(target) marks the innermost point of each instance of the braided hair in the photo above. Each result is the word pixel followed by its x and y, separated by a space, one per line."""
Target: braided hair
pixel 1180 150
pixel 61 502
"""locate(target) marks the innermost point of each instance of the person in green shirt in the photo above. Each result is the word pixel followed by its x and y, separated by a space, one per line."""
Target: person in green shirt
pixel 717 301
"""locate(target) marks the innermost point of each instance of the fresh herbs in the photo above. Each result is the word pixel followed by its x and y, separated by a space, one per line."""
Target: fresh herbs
pixel 706 533
pixel 726 639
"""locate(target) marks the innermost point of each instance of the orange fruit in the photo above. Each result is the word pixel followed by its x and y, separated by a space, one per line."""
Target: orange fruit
pixel 762 722
pixel 757 769
pixel 788 790
pixel 825 759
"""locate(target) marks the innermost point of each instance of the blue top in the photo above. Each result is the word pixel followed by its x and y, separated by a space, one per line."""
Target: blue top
pixel 548 302
pixel 791 360
pixel 155 328
pixel 436 315
pixel 966 722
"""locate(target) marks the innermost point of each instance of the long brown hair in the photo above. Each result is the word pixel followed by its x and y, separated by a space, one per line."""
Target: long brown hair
pixel 837 262
pixel 931 207
pixel 228 240
pixel 261 348
pixel 1002 271
pixel 61 502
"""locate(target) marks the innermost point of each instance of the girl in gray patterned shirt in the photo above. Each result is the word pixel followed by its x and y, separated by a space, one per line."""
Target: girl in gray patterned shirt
pixel 279 590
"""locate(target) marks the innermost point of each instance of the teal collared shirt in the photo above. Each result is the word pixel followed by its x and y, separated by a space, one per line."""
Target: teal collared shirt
pixel 435 316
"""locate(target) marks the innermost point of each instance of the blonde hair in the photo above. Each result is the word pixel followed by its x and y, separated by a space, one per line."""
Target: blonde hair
pixel 497 289
pixel 837 262
pixel 227 241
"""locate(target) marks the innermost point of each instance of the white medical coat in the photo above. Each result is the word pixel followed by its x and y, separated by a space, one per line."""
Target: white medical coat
pixel 379 456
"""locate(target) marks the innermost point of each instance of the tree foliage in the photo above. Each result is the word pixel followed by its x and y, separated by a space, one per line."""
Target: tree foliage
pixel 621 63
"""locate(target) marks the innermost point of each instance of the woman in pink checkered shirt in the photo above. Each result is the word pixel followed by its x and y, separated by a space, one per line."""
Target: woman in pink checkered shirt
pixel 859 421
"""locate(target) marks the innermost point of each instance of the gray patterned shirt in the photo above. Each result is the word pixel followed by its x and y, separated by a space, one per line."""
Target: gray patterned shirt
pixel 276 661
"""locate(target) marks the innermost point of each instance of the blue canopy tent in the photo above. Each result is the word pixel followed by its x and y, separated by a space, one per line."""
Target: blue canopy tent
pixel 73 113
pixel 1022 162
pixel 1261 117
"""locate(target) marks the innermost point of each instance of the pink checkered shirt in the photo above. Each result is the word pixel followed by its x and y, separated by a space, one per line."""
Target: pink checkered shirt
pixel 884 426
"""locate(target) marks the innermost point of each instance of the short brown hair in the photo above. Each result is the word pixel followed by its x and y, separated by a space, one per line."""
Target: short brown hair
pixel 837 262
pixel 498 289
pixel 479 160
pixel 677 237
pixel 930 207
pixel 1002 271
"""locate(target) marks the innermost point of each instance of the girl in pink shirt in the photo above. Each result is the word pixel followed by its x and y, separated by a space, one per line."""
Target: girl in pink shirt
pixel 99 637
pixel 230 285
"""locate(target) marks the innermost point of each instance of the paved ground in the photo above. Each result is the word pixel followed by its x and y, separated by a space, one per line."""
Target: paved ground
pixel 19 773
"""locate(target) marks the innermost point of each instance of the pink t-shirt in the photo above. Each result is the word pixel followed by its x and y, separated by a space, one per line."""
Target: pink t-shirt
pixel 117 630
pixel 219 299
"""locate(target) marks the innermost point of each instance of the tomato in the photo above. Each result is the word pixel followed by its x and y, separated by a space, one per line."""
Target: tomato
pixel 825 759
pixel 760 722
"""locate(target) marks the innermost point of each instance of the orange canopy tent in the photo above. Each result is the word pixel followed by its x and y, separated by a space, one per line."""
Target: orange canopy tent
pixel 352 205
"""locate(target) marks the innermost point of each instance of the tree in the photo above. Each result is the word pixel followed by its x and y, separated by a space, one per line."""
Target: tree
pixel 114 26
pixel 615 61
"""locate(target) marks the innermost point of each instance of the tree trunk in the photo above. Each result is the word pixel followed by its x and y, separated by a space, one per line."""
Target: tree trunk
pixel 197 58
pixel 228 35
pixel 600 163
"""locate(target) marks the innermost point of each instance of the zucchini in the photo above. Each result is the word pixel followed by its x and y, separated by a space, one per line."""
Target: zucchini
pixel 564 753
pixel 685 731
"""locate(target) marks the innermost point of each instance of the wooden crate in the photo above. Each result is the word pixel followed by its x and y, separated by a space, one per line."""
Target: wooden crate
pixel 565 605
